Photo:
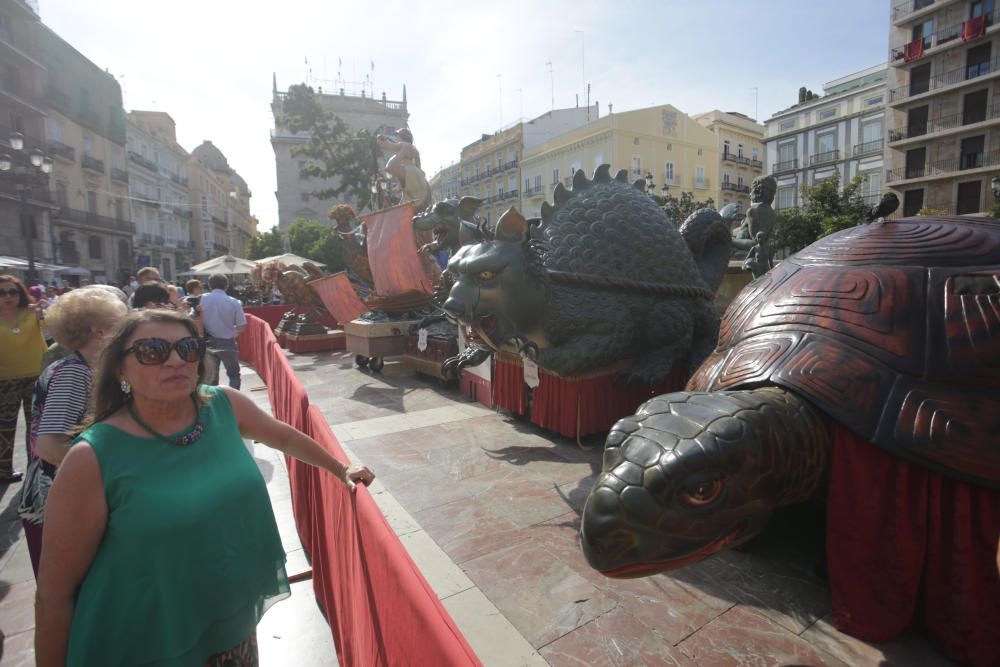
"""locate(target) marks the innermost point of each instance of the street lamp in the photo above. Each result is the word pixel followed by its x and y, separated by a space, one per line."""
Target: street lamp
pixel 23 169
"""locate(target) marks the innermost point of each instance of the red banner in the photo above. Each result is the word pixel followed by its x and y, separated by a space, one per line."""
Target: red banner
pixel 339 297
pixel 392 252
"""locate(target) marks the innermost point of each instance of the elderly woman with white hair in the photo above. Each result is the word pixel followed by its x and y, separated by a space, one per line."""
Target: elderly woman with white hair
pixel 81 321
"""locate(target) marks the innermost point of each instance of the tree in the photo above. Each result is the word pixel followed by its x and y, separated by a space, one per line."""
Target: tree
pixel 266 244
pixel 826 209
pixel 317 242
pixel 302 234
pixel 335 152
pixel 678 210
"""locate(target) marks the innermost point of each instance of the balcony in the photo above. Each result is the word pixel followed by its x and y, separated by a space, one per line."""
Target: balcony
pixel 89 219
pixel 947 34
pixel 510 165
pixel 949 78
pixel 510 194
pixel 738 159
pixel 57 99
pixel 219 221
pixel 149 203
pixel 756 164
pixel 179 180
pixel 221 249
pixel 787 165
pixel 159 240
pixel 944 123
pixel 37 189
pixel 944 168
pixel 735 187
pixel 92 163
pixel 874 146
pixel 60 150
pixel 702 184
pixel 902 10
pixel 822 158
pixel 143 162
pixel 119 175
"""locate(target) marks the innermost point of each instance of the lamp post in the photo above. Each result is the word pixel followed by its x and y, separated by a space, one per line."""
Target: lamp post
pixel 24 167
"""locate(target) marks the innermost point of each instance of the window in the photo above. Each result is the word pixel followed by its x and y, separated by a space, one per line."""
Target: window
pixel 726 150
pixel 974 107
pixel 555 176
pixel 786 153
pixel 913 201
pixel 119 209
pixel 91 201
pixel 61 197
pixel 871 132
pixel 94 247
pixel 871 187
pixel 786 125
pixel 874 101
pixel 576 166
pixel 725 178
pixel 739 150
pixel 968 197
pixel 598 160
pixel 785 198
pixel 825 143
pixel 755 154
pixel 55 129
pixel 915 163
pixel 827 113
pixel 978 61
pixel 924 30
pixel 668 172
pixel 527 184
pixel 972 152
pixel 982 8
pixel 88 145
pixel 699 176
pixel 916 121
pixel 920 79
pixel 538 183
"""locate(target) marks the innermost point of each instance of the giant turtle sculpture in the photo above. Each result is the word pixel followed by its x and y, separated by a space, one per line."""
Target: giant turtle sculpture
pixel 890 330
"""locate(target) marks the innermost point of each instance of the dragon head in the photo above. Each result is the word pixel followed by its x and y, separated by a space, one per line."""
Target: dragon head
pixel 446 220
pixel 497 290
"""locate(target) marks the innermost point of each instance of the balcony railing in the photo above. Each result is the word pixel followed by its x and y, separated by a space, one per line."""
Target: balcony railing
pixel 940 36
pixel 735 187
pixel 946 79
pixel 219 221
pixel 787 165
pixel 219 248
pixel 510 165
pixel 868 147
pixel 59 149
pixel 179 180
pixel 951 121
pixel 536 191
pixel 901 10
pixel 826 156
pixel 976 160
pixel 756 164
pixel 140 160
pixel 37 189
pixel 92 163
pixel 119 175
pixel 510 194
pixel 738 159
pixel 94 220
pixel 149 203
pixel 702 184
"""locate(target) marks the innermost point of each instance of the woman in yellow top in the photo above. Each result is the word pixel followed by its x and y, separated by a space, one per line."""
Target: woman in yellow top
pixel 21 349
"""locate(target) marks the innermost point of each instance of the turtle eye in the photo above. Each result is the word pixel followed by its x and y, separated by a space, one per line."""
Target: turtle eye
pixel 702 493
pixel 486 275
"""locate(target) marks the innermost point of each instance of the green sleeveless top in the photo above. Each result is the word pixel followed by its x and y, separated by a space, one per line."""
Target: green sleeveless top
pixel 190 557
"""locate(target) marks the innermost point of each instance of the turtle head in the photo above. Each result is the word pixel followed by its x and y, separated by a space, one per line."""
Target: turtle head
pixel 690 475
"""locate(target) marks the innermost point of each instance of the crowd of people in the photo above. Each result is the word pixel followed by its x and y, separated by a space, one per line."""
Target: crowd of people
pixel 147 521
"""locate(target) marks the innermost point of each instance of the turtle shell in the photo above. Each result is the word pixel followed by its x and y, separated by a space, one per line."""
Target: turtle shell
pixel 892 329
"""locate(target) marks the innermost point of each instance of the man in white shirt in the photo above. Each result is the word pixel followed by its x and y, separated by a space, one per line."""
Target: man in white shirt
pixel 223 319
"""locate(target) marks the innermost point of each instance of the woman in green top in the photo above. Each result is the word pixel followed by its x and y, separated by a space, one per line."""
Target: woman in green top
pixel 160 546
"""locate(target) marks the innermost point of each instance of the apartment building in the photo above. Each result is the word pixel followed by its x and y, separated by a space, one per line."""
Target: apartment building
pixel 944 109
pixel 839 132
pixel 740 142
pixel 158 187
pixel 221 221
pixel 447 183
pixel 23 111
pixel 491 168
pixel 358 112
pixel 659 144
pixel 92 227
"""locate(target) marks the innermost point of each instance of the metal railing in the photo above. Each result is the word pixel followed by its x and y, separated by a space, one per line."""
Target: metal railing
pixel 702 184
pixel 945 79
pixel 976 160
pixel 733 157
pixel 940 36
pixel 179 180
pixel 140 160
pixel 119 175
pixel 59 149
pixel 826 156
pixel 92 163
pixel 756 164
pixel 735 187
pixel 874 146
pixel 94 220
pixel 535 191
pixel 787 165
pixel 901 10
pixel 965 117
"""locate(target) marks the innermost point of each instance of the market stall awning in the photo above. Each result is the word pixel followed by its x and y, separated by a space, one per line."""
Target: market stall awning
pixel 288 259
pixel 226 264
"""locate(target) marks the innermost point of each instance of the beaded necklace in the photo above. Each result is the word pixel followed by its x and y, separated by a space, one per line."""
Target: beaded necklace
pixel 193 434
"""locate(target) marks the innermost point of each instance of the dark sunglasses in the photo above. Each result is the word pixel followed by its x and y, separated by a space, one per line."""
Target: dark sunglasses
pixel 153 351
pixel 10 292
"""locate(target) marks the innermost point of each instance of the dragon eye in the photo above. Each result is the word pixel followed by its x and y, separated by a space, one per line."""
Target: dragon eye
pixel 702 493
pixel 486 275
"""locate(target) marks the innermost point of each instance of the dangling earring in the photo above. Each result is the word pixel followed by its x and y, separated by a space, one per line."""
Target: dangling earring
pixel 126 387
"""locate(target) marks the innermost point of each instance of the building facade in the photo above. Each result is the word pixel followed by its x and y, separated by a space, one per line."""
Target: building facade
pixel 839 132
pixel 661 142
pixel 740 142
pixel 358 112
pixel 944 108
pixel 23 111
pixel 221 221
pixel 447 183
pixel 92 227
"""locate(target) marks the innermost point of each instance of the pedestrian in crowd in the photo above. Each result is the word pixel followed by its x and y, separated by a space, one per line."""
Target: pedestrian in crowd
pixel 163 549
pixel 57 351
pixel 81 322
pixel 131 286
pixel 223 319
pixel 174 295
pixel 194 291
pixel 151 295
pixel 148 274
pixel 21 347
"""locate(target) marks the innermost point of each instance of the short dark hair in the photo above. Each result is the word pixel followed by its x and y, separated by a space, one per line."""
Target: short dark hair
pixel 150 294
pixel 192 285
pixel 405 135
pixel 218 281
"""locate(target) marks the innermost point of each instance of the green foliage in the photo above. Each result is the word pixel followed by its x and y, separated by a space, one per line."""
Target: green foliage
pixel 827 209
pixel 931 211
pixel 678 209
pixel 302 234
pixel 995 211
pixel 317 242
pixel 334 152
pixel 266 244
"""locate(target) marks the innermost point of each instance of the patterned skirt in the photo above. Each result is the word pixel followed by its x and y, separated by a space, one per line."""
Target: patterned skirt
pixel 243 654
pixel 15 397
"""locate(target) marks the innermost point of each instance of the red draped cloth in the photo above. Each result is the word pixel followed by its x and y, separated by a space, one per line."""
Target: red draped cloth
pixel 974 28
pixel 380 609
pixel 392 252
pixel 338 295
pixel 913 50
pixel 509 390
pixel 907 546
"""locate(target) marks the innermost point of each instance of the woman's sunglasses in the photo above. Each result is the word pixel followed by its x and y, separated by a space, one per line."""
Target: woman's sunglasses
pixel 153 351
pixel 10 292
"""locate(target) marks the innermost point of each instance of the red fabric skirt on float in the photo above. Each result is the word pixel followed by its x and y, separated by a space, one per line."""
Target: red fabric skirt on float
pixel 910 547
pixel 575 406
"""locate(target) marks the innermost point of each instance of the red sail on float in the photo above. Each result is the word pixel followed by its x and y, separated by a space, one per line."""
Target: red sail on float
pixel 339 297
pixel 392 252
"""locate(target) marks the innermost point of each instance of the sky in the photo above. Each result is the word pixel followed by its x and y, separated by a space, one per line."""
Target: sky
pixel 469 67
